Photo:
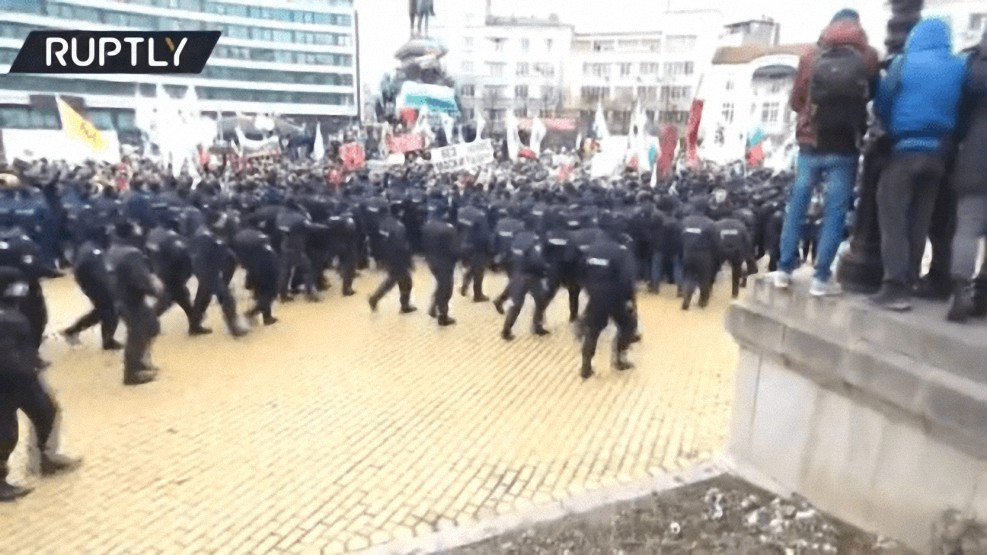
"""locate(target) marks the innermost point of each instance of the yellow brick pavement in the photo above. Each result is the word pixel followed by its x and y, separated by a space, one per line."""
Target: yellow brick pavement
pixel 339 429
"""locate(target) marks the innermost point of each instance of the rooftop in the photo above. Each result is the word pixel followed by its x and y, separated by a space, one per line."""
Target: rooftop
pixel 749 53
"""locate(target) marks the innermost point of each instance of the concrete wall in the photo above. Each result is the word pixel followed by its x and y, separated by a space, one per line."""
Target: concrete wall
pixel 877 418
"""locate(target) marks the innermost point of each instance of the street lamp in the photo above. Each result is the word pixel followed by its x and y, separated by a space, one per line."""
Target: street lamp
pixel 861 270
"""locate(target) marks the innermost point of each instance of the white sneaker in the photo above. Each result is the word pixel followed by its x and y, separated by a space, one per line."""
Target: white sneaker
pixel 825 288
pixel 780 279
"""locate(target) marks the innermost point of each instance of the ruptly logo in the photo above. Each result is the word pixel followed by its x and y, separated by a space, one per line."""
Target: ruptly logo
pixel 130 52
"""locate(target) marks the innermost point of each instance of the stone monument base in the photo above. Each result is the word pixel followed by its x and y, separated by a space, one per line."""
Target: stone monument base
pixel 878 418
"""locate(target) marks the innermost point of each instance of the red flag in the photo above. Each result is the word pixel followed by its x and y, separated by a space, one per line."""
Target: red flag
pixel 668 139
pixel 755 156
pixel 409 116
pixel 526 152
pixel 692 133
pixel 353 156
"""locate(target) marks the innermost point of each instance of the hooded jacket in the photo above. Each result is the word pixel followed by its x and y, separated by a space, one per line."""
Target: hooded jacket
pixel 841 32
pixel 970 175
pixel 919 99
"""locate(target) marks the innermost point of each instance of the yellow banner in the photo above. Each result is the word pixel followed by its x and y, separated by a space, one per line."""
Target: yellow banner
pixel 77 127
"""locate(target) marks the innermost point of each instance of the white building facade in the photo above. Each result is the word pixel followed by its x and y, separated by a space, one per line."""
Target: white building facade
pixel 661 69
pixel 296 59
pixel 748 88
pixel 502 63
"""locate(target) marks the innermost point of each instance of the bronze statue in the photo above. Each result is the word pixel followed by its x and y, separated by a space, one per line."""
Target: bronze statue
pixel 419 11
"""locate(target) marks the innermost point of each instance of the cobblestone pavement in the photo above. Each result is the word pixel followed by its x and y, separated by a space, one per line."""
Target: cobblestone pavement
pixel 338 429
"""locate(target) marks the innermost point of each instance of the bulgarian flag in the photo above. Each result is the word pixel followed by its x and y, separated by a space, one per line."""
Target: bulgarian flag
pixel 755 147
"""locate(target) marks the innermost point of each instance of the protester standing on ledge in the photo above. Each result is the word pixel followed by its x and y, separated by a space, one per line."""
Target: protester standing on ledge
pixel 918 103
pixel 832 87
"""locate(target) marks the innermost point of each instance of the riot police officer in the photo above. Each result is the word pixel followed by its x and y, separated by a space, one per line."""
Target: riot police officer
pixel 94 281
pixel 171 261
pixel 21 387
pixel 394 252
pixel 257 256
pixel 474 230
pixel 736 249
pixel 441 247
pixel 210 254
pixel 527 277
pixel 699 255
pixel 608 270
pixel 133 282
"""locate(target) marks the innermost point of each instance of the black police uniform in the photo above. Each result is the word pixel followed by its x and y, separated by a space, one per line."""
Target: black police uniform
pixel 133 283
pixel 527 276
pixel 609 280
pixel 294 226
pixel 441 253
pixel 475 233
pixel 21 387
pixel 17 250
pixel 395 257
pixel 257 256
pixel 94 280
pixel 209 258
pixel 736 249
pixel 699 256
pixel 171 261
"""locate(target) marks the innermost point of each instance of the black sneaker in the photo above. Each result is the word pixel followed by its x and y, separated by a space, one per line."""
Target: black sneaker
pixel 9 492
pixel 962 305
pixel 893 297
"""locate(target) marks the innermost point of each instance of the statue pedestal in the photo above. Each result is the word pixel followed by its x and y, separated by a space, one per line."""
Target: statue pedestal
pixel 877 418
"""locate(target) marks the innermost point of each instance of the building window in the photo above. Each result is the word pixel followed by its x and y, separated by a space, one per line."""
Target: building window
pixel 468 43
pixel 498 44
pixel 496 69
pixel 680 43
pixel 592 94
pixel 494 91
pixel 729 85
pixel 549 43
pixel 727 113
pixel 650 68
pixel 525 45
pixel 545 70
pixel 776 86
pixel 625 69
pixel 769 112
pixel 676 93
pixel 467 90
pixel 467 67
pixel 647 93
pixel 603 46
pixel 597 70
pixel 521 91
pixel 522 69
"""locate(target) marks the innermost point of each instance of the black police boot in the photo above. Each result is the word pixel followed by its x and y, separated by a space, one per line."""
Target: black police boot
pixel 445 320
pixel 270 320
pixel 480 298
pixel 620 361
pixel 506 335
pixel 313 297
pixel 55 463
pixel 198 329
pixel 9 492
pixel 463 289
pixel 139 377
pixel 587 370
pixel 432 311
pixel 373 304
pixel 962 305
pixel 71 337
pixel 499 305
pixel 112 345
pixel 349 292
pixel 408 309
pixel 541 331
pixel 979 309
pixel 934 288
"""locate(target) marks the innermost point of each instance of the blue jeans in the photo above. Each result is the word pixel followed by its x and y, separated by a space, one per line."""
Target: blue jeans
pixel 840 173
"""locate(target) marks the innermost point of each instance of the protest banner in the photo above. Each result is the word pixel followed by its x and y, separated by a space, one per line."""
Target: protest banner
pixel 462 156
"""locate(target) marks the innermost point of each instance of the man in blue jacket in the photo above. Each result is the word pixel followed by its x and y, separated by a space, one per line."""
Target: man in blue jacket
pixel 918 103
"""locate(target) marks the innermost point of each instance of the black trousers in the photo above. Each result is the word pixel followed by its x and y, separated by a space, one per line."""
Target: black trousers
pixel 569 280
pixel 401 278
pixel 519 287
pixel 104 312
pixel 33 308
pixel 971 225
pixel 295 262
pixel 142 327
pixel 475 269
pixel 599 312
pixel 444 278
pixel 262 282
pixel 906 196
pixel 210 286
pixel 347 264
pixel 698 269
pixel 24 391
pixel 176 292
pixel 942 228
pixel 736 260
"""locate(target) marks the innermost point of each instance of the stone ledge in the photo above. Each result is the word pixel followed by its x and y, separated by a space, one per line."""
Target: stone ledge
pixel 915 365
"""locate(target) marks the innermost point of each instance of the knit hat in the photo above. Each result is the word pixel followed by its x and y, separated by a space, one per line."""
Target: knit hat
pixel 847 14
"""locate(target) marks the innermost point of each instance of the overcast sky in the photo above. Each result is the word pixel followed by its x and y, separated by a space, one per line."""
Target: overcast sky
pixel 384 23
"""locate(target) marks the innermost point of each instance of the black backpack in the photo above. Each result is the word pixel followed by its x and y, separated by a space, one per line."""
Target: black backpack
pixel 839 88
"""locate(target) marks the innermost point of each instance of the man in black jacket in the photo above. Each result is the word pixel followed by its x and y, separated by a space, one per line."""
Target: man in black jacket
pixel 441 253
pixel 394 254
pixel 133 282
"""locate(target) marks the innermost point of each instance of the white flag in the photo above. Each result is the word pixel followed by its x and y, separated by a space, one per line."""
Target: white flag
pixel 319 146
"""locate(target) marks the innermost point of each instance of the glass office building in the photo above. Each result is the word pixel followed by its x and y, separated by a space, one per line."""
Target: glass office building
pixel 295 58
